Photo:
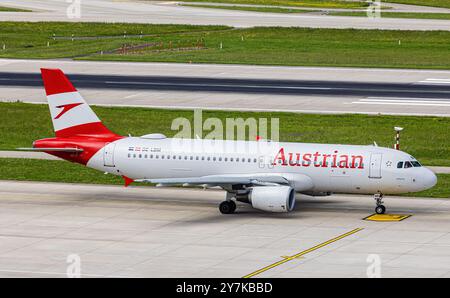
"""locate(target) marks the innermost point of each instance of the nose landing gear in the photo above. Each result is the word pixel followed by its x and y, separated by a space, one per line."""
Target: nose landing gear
pixel 380 208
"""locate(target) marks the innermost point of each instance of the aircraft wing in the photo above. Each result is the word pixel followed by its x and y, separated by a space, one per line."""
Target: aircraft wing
pixel 221 180
pixel 69 150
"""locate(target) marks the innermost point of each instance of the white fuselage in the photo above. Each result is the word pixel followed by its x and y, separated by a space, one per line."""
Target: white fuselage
pixel 330 168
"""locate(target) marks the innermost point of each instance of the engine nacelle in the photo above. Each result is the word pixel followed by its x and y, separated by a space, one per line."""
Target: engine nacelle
pixel 273 198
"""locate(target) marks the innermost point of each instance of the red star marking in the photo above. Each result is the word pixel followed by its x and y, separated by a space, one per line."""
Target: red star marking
pixel 67 108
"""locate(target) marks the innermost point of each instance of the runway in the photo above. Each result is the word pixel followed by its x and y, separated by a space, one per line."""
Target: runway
pixel 163 12
pixel 158 232
pixel 238 87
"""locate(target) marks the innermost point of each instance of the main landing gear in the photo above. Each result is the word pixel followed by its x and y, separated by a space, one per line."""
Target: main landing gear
pixel 228 206
pixel 380 209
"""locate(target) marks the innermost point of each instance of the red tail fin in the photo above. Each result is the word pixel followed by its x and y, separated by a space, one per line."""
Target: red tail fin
pixel 71 115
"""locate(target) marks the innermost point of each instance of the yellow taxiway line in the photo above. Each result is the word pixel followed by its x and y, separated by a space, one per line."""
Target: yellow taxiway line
pixel 302 253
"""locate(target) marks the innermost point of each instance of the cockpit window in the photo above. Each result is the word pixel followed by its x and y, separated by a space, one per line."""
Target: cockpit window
pixel 408 164
pixel 400 165
pixel 416 164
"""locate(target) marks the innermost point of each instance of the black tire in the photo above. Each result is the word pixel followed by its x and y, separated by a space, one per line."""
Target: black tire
pixel 226 207
pixel 380 209
pixel 233 206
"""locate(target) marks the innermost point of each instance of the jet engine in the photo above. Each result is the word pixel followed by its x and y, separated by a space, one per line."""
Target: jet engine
pixel 273 198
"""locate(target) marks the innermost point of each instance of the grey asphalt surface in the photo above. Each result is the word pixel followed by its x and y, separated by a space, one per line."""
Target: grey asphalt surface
pixel 239 87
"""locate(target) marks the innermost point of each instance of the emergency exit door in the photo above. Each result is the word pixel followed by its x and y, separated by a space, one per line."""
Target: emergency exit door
pixel 108 155
pixel 375 165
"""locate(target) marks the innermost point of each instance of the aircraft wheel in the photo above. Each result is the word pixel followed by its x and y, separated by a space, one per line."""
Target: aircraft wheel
pixel 380 209
pixel 227 207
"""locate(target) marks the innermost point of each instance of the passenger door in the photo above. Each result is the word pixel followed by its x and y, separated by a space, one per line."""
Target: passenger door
pixel 108 155
pixel 375 165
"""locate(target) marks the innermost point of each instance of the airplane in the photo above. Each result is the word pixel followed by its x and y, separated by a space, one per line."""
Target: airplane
pixel 268 181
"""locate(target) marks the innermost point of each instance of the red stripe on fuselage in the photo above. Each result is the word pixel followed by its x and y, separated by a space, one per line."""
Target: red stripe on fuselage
pixel 90 137
pixel 92 130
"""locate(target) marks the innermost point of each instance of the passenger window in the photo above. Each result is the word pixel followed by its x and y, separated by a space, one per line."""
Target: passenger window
pixel 408 164
pixel 196 158
pixel 400 165
pixel 191 158
pixel 129 155
pixel 226 159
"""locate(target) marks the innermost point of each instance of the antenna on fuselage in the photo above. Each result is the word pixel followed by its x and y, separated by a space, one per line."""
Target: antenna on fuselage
pixel 397 137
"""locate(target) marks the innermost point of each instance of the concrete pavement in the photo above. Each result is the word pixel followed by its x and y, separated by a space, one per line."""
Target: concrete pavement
pixel 151 232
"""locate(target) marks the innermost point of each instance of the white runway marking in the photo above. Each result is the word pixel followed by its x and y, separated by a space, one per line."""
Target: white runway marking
pixel 218 85
pixel 404 101
pixel 436 81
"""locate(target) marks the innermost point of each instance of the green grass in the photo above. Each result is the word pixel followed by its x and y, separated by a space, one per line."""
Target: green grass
pixel 304 46
pixel 434 3
pixel 250 8
pixel 201 44
pixel 63 171
pixel 52 171
pixel 426 138
pixel 29 40
pixel 406 15
pixel 11 9
pixel 299 3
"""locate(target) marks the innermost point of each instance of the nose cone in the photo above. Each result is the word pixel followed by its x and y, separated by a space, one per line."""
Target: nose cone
pixel 429 179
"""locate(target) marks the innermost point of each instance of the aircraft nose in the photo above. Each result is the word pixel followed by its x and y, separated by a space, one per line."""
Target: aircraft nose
pixel 429 178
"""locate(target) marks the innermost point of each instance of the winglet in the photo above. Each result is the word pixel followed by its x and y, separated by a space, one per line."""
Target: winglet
pixel 127 180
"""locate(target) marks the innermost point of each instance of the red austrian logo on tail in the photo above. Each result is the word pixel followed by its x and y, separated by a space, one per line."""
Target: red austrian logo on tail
pixel 66 108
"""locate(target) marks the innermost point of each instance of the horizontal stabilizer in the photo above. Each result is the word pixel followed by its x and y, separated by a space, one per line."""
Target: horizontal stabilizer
pixel 70 150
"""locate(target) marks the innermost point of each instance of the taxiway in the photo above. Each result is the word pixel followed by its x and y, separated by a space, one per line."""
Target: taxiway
pixel 161 232
pixel 162 12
